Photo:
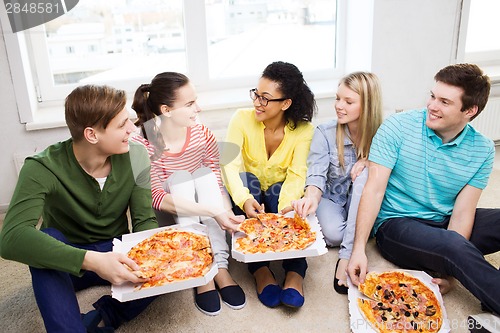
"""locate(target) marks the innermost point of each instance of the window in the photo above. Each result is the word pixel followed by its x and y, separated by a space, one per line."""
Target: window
pixel 482 45
pixel 300 32
pixel 219 44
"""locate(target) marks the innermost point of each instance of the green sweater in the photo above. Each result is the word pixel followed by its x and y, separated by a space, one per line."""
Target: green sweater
pixel 54 186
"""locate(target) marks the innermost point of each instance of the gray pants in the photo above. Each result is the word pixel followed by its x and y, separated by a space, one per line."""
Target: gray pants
pixel 338 223
pixel 201 187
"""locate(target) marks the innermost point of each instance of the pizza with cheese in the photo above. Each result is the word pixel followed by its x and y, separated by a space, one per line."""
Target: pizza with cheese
pixel 271 232
pixel 172 255
pixel 399 302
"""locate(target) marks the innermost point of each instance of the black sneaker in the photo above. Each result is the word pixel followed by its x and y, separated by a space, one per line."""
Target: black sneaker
pixel 484 323
pixel 208 302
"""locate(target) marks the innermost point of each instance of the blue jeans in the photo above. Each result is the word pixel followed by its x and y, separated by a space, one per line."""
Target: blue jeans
pixel 269 198
pixel 426 245
pixel 338 222
pixel 56 298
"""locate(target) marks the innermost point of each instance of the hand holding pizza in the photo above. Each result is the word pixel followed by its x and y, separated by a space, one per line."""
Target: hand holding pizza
pixel 252 207
pixel 112 267
pixel 305 206
pixel 309 203
pixel 229 221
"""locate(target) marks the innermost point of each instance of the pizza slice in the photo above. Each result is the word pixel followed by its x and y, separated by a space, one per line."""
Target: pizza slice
pixel 301 223
pixel 251 226
pixel 271 220
pixel 377 288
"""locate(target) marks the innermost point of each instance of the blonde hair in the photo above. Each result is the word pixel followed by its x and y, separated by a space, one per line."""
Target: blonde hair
pixel 367 86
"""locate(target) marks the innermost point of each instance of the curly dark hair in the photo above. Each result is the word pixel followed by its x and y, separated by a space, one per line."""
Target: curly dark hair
pixel 292 84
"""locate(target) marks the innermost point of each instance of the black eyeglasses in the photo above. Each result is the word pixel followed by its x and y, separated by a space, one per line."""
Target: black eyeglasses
pixel 263 100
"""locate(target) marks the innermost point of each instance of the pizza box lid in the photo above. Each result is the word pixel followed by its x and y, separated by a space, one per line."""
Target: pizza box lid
pixel 359 324
pixel 315 249
pixel 126 291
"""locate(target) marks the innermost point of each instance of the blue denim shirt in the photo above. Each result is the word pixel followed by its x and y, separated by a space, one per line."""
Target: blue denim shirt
pixel 323 166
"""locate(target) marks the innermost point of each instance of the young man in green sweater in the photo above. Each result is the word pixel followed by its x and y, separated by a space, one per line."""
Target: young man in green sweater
pixel 82 189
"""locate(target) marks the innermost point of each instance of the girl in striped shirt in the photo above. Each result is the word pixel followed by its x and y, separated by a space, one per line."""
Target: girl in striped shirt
pixel 185 175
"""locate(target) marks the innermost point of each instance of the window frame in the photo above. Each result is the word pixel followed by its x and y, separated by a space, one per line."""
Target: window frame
pixel 32 77
pixel 489 60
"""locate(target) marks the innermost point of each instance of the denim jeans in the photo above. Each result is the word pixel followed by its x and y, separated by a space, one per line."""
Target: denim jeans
pixel 338 222
pixel 426 245
pixel 56 298
pixel 269 198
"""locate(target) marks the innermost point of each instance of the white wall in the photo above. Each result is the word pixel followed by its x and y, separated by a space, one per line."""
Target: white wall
pixel 14 138
pixel 412 39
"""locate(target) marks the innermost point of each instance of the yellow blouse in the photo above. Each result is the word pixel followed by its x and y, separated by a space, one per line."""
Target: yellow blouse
pixel 287 164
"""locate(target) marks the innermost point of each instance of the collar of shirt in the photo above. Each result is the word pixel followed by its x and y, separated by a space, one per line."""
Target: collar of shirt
pixel 439 142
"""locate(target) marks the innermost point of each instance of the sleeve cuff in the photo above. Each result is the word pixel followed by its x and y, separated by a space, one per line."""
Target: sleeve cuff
pixel 317 181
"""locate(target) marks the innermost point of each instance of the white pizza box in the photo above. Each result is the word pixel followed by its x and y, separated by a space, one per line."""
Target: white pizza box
pixel 127 291
pixel 315 249
pixel 360 325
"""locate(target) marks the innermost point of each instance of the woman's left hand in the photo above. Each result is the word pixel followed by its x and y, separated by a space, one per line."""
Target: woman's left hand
pixel 358 167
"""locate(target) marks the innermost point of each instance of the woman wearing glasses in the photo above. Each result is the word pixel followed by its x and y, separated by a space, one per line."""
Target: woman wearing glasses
pixel 274 138
pixel 336 175
pixel 185 176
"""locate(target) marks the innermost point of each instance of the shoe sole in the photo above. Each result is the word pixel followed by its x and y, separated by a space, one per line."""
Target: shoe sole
pixel 292 306
pixel 235 307
pixel 206 312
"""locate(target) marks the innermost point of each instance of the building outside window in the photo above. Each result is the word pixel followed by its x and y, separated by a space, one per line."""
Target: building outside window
pixel 219 44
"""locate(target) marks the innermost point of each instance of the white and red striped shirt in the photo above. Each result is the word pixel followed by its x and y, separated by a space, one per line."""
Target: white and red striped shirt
pixel 200 150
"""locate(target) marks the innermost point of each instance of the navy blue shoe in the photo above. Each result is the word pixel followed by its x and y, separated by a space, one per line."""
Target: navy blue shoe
pixel 292 298
pixel 232 296
pixel 91 319
pixel 208 302
pixel 270 295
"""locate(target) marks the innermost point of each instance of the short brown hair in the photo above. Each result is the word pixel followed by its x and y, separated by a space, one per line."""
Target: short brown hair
pixel 475 84
pixel 92 105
